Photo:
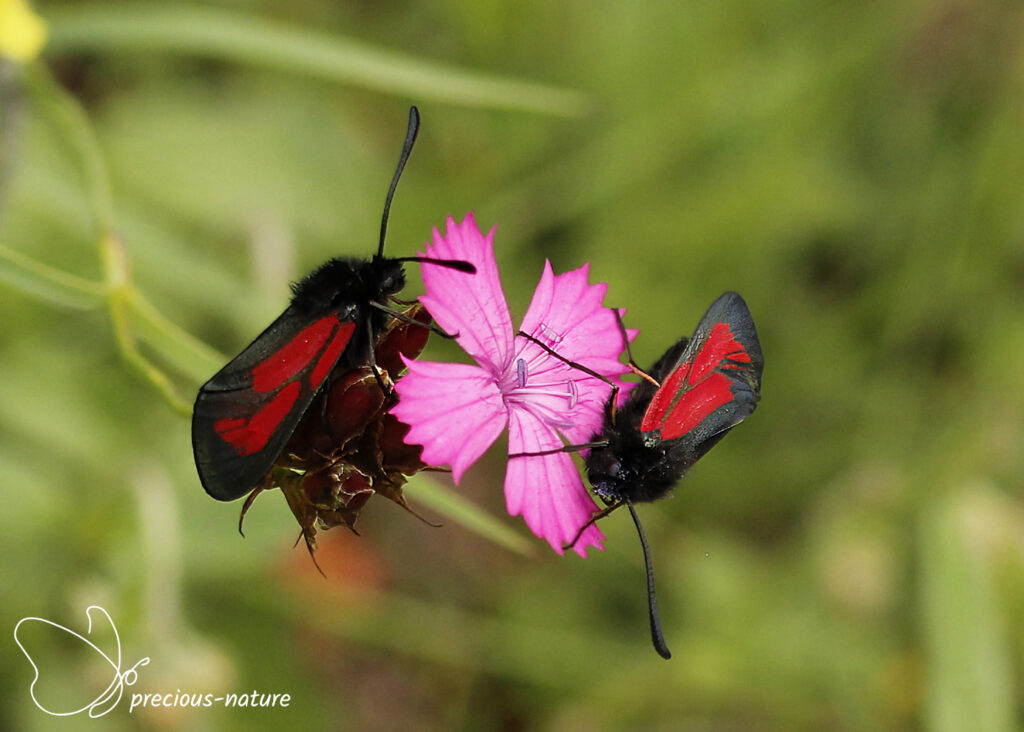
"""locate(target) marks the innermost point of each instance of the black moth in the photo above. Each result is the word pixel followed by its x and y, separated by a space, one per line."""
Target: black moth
pixel 245 414
pixel 694 394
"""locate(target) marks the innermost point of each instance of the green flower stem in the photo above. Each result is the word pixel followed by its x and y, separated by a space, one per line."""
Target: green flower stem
pixel 69 119
pixel 12 113
pixel 37 279
pixel 127 307
pixel 180 349
pixel 430 493
pixel 134 318
pixel 238 38
pixel 119 306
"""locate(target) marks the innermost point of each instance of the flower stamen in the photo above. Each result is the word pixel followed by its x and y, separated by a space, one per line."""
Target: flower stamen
pixel 554 337
pixel 521 373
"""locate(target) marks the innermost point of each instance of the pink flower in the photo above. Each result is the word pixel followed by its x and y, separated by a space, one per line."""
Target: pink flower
pixel 457 411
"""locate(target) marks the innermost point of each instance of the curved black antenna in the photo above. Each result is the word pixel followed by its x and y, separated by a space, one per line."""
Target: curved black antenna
pixel 456 264
pixel 410 138
pixel 652 602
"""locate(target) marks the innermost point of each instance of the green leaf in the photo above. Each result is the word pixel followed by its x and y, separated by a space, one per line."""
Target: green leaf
pixel 248 40
pixel 970 683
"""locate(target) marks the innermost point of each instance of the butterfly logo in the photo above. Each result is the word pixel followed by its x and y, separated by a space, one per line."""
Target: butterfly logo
pixel 109 697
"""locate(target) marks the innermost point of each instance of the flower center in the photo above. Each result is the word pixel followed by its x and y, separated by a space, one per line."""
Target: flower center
pixel 539 384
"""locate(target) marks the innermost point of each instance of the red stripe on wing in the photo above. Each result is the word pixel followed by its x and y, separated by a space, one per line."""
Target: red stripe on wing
pixel 249 436
pixel 698 388
pixel 696 405
pixel 295 355
pixel 331 354
pixel 721 345
pixel 278 380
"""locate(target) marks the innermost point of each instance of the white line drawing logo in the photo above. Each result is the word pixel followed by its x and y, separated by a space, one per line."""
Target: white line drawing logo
pixel 109 697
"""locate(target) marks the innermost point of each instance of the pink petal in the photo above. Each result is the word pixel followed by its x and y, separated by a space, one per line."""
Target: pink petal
pixel 567 315
pixel 568 307
pixel 474 305
pixel 547 490
pixel 454 410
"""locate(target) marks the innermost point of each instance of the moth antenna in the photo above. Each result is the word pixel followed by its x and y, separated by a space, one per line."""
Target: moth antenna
pixel 652 601
pixel 410 139
pixel 456 264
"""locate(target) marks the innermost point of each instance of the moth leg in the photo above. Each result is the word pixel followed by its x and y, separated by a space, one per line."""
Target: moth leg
pixel 384 388
pixel 580 367
pixel 399 315
pixel 590 522
pixel 629 353
pixel 563 448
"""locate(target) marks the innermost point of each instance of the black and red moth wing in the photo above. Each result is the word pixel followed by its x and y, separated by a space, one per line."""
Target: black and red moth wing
pixel 712 386
pixel 245 414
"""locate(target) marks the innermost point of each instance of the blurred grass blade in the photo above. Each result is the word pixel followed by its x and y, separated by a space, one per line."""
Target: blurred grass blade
pixel 126 306
pixel 177 347
pixel 239 38
pixel 39 280
pixel 970 682
pixel 119 307
pixel 428 492
pixel 64 113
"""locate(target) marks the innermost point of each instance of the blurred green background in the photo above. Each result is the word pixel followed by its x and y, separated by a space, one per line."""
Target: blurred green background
pixel 851 558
